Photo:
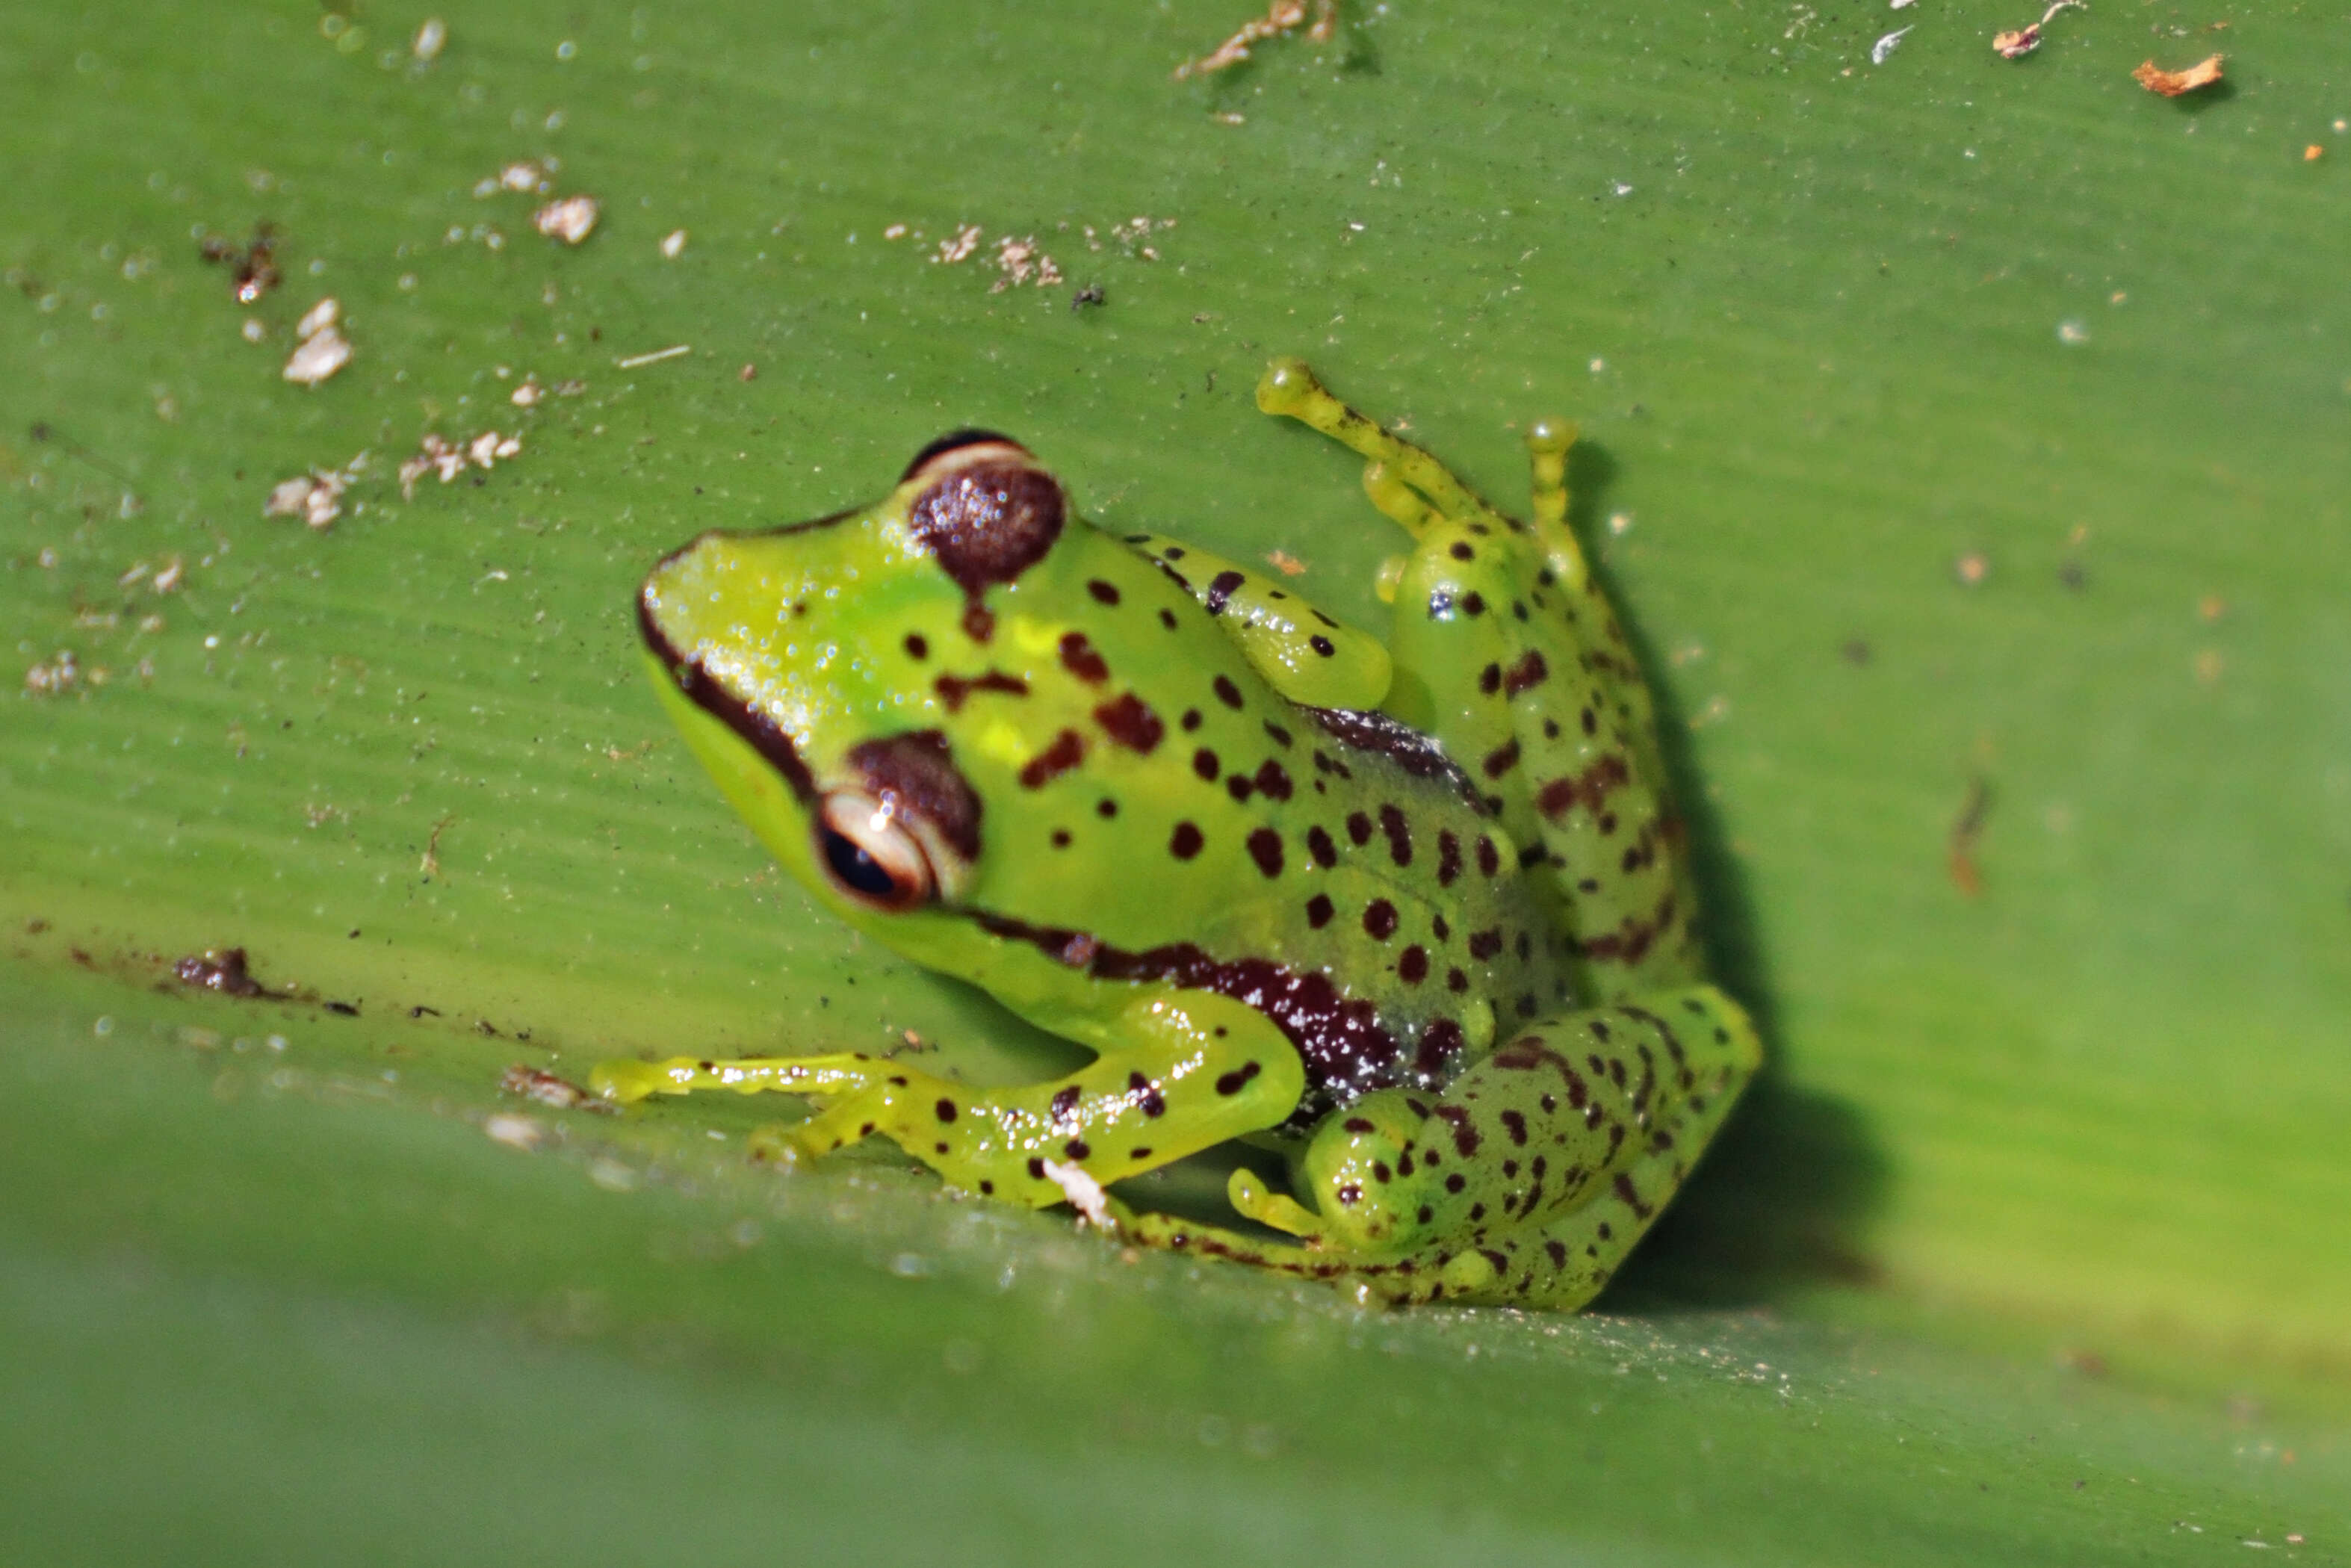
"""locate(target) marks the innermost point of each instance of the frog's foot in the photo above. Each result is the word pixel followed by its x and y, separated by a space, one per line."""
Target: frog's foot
pixel 628 1080
pixel 1403 480
pixel 1278 1210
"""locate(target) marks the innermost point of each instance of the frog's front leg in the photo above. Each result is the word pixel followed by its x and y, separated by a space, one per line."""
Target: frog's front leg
pixel 1190 1069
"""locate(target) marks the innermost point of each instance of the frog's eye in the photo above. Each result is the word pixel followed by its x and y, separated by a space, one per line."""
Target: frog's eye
pixel 868 855
pixel 983 507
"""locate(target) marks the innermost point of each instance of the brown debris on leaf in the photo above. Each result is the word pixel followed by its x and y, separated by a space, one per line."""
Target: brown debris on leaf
pixel 549 1089
pixel 221 969
pixel 2176 84
pixel 255 266
pixel 1283 17
pixel 2018 42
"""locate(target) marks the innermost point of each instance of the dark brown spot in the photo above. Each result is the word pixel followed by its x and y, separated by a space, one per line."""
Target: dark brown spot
pixel 1203 763
pixel 1484 945
pixel 1146 1094
pixel 1233 1083
pixel 989 522
pixel 954 690
pixel 1321 646
pixel 1129 721
pixel 1077 1148
pixel 1412 964
pixel 1273 780
pixel 1067 751
pixel 1490 859
pixel 1359 827
pixel 1454 1183
pixel 1454 980
pixel 946 1110
pixel 1318 911
pixel 917 646
pixel 1265 848
pixel 1448 857
pixel 1473 603
pixel 1516 1125
pixel 1238 785
pixel 1185 842
pixel 1078 657
pixel 1220 588
pixel 1587 789
pixel 1502 759
pixel 1490 679
pixel 1380 919
pixel 1399 834
pixel 1103 592
pixel 1167 619
pixel 1105 806
pixel 1191 719
pixel 1461 551
pixel 1279 736
pixel 914 776
pixel 1226 693
pixel 1319 845
pixel 1060 838
pixel 1064 1102
pixel 1529 673
pixel 979 623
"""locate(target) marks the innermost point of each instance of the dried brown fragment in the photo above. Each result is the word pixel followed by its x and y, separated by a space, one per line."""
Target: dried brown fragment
pixel 2175 84
pixel 1966 828
pixel 549 1089
pixel 219 969
pixel 1282 17
pixel 255 272
pixel 2017 42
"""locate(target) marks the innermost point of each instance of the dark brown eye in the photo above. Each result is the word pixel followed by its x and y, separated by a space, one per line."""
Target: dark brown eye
pixel 868 855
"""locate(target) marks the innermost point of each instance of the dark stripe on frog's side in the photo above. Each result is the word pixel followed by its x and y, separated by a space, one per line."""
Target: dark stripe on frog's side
pixel 759 732
pixel 1347 1051
pixel 1366 729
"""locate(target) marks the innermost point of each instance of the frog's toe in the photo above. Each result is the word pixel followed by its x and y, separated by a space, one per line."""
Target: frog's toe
pixel 1283 1212
pixel 626 1081
pixel 1287 386
pixel 776 1143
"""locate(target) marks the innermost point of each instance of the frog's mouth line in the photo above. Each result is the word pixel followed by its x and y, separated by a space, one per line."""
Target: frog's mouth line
pixel 1346 1051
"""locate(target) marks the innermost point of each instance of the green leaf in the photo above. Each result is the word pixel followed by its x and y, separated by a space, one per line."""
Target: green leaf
pixel 1963 438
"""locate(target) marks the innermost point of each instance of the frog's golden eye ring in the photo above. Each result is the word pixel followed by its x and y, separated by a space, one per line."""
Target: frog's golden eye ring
pixel 953 442
pixel 869 855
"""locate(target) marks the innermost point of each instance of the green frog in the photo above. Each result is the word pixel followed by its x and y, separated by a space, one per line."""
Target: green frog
pixel 1419 914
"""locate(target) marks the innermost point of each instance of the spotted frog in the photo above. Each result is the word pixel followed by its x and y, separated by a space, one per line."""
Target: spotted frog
pixel 1419 914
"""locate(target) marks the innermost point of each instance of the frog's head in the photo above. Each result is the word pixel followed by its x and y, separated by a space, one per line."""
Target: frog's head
pixel 849 684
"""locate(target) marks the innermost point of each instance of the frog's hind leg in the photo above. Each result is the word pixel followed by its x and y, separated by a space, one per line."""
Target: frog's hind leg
pixel 1403 480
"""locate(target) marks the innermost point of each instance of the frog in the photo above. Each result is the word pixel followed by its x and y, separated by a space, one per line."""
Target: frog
pixel 1412 917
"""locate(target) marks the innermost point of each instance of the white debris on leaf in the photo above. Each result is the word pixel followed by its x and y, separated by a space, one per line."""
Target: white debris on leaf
pixel 672 245
pixel 1021 262
pixel 514 1132
pixel 62 673
pixel 437 454
pixel 431 39
pixel 1883 50
pixel 318 318
pixel 957 246
pixel 315 498
pixel 528 393
pixel 323 349
pixel 570 220
pixel 1084 1193
pixel 2015 43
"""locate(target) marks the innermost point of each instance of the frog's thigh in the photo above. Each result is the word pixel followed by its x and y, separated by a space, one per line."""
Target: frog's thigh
pixel 1306 655
pixel 1544 1125
pixel 1197 1069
